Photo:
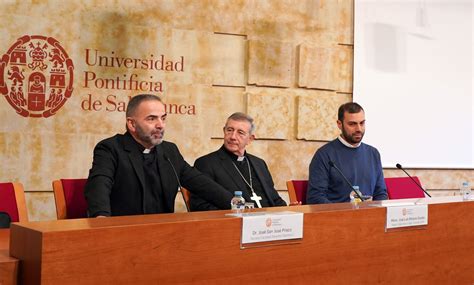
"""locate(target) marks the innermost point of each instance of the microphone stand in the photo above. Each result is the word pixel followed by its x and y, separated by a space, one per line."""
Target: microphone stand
pixel 357 192
pixel 399 166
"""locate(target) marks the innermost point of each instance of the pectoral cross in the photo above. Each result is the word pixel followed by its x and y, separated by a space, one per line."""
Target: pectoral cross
pixel 256 199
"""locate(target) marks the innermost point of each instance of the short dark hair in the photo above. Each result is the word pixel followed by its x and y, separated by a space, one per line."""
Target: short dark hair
pixel 136 100
pixel 349 107
pixel 239 116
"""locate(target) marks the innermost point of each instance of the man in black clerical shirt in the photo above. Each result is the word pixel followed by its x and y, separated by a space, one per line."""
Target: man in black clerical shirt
pixel 139 173
pixel 236 170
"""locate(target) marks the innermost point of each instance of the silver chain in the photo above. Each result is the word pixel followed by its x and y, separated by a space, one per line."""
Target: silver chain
pixel 250 175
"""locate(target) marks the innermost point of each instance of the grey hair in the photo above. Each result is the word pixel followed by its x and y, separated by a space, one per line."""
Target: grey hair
pixel 239 116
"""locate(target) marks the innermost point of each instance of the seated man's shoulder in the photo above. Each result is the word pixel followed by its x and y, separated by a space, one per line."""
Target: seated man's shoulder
pixel 255 158
pixel 208 156
pixel 370 148
pixel 112 140
pixel 169 145
pixel 329 147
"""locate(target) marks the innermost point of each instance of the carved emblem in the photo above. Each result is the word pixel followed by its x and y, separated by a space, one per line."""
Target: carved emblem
pixel 36 76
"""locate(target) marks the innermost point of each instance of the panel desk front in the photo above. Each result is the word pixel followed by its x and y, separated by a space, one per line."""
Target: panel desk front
pixel 342 244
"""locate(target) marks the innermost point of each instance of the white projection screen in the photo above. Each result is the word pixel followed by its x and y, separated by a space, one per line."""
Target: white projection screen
pixel 413 74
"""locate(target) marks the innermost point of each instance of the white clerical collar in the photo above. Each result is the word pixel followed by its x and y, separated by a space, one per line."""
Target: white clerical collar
pixel 240 158
pixel 344 142
pixel 147 150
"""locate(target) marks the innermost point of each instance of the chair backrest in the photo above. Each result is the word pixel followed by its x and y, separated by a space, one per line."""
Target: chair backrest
pixel 186 198
pixel 69 198
pixel 12 201
pixel 403 188
pixel 297 190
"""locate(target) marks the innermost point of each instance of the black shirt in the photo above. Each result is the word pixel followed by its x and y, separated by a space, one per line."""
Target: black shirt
pixel 153 191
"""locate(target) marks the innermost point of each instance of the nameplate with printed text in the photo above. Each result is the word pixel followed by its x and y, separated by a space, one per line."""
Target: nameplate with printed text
pixel 275 226
pixel 407 216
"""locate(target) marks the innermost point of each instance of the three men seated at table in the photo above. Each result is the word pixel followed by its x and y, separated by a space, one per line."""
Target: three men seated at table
pixel 139 173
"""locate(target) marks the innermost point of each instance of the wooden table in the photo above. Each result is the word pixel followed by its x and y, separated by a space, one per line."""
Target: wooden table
pixel 4 239
pixel 8 265
pixel 342 244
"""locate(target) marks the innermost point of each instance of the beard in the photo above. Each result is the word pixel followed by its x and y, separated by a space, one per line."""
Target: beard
pixel 352 138
pixel 154 138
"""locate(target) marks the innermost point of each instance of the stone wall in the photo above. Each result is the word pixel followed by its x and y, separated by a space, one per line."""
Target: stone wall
pixel 286 63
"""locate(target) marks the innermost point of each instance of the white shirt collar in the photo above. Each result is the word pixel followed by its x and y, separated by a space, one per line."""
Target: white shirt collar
pixel 344 142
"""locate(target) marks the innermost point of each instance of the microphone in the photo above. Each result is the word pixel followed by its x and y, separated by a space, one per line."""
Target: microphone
pixel 399 166
pixel 358 193
pixel 177 179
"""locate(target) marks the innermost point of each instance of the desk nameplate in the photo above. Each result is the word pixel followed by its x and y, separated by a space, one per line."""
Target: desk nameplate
pixel 269 227
pixel 406 216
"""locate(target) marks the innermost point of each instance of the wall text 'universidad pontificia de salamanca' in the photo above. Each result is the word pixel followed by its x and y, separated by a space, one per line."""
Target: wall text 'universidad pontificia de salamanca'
pixel 130 78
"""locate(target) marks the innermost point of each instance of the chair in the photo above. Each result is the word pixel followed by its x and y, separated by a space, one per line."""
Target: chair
pixel 403 188
pixel 69 198
pixel 297 190
pixel 186 198
pixel 12 201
